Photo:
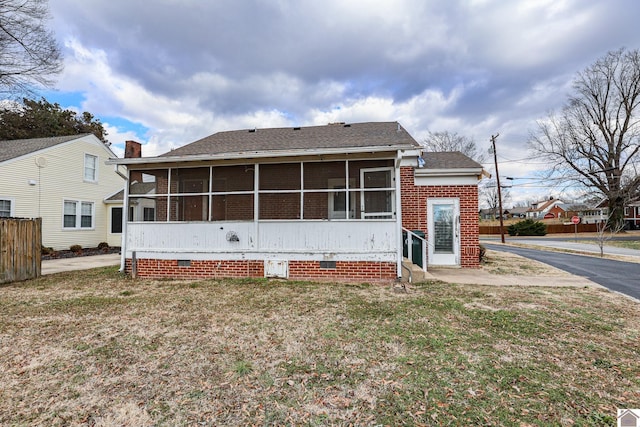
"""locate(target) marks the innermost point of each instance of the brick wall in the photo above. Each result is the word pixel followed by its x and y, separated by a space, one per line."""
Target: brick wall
pixel 414 212
pixel 346 271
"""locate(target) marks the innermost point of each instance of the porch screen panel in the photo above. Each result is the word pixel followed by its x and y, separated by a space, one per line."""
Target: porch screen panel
pixel 320 178
pixel 279 205
pixel 233 178
pixel 280 176
pixel 356 166
pixel 232 207
pixel 150 193
pixel 191 199
pixel 318 175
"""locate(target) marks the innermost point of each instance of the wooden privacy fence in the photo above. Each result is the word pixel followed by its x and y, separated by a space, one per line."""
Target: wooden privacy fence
pixel 20 249
pixel 551 228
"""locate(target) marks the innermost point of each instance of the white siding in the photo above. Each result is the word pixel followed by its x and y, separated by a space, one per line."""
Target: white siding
pixel 299 240
pixel 62 178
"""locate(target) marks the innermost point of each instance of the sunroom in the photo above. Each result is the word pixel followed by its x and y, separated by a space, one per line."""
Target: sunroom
pixel 312 217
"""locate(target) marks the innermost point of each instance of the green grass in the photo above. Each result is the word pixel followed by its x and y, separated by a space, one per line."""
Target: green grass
pixel 98 348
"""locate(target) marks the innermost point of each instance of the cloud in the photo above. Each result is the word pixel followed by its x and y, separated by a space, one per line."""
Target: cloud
pixel 181 70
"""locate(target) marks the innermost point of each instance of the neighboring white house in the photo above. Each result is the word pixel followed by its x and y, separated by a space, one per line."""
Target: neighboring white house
pixel 63 180
pixel 540 209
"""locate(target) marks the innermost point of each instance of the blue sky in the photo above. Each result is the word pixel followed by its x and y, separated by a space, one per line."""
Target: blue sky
pixel 169 72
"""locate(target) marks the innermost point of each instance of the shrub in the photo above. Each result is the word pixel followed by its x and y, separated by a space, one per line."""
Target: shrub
pixel 528 227
pixel 75 248
pixel 46 250
pixel 483 252
pixel 103 245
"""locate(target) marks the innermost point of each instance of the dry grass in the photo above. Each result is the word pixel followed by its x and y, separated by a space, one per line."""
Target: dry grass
pixel 94 348
pixel 498 262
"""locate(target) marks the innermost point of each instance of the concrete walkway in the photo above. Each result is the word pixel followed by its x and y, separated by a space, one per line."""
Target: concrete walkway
pixel 481 277
pixel 51 266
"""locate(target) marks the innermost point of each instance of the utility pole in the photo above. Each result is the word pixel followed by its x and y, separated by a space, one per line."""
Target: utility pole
pixel 495 159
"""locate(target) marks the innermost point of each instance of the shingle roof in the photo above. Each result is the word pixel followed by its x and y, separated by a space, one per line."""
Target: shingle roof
pixel 11 149
pixel 137 188
pixel 371 134
pixel 449 160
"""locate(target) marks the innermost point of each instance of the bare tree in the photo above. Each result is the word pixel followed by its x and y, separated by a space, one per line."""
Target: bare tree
pixel 489 193
pixel 29 55
pixel 595 139
pixel 604 234
pixel 448 141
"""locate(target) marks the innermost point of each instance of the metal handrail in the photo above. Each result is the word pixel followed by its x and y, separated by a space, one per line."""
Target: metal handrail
pixel 423 245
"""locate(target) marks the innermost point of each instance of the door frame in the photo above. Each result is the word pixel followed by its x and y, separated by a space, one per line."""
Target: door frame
pixel 445 259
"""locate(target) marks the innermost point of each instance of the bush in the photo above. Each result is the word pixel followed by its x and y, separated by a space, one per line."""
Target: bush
pixel 46 250
pixel 528 227
pixel 483 252
pixel 103 245
pixel 75 248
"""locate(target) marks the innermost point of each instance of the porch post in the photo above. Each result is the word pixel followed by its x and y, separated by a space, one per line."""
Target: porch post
pixel 398 204
pixel 125 220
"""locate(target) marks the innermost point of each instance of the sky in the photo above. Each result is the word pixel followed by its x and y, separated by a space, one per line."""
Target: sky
pixel 168 72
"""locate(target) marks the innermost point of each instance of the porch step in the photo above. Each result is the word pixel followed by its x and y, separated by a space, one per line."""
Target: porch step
pixel 417 275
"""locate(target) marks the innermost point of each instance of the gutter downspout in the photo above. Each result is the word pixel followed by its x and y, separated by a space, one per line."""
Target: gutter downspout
pixel 125 213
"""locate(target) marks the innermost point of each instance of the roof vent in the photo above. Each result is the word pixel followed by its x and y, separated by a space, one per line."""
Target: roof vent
pixel 252 130
pixel 296 128
pixel 335 123
pixel 347 126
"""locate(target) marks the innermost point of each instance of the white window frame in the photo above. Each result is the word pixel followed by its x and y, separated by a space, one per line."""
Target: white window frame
pixel 377 215
pixel 78 214
pixel 88 167
pixel 11 206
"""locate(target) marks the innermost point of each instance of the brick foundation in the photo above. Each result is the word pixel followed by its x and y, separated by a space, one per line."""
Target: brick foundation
pixel 344 271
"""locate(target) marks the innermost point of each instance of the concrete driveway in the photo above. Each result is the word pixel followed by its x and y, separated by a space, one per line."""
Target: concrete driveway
pixel 51 266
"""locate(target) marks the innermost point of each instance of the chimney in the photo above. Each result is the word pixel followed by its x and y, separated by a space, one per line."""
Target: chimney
pixel 133 150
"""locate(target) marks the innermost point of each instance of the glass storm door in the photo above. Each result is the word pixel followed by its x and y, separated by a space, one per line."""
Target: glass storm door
pixel 444 231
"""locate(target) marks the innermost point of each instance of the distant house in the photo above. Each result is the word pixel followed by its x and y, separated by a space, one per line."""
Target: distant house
pixel 632 214
pixel 321 202
pixel 518 212
pixel 538 210
pixel 64 181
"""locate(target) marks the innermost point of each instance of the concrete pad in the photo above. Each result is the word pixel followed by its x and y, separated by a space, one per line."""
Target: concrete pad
pixel 52 266
pixel 480 277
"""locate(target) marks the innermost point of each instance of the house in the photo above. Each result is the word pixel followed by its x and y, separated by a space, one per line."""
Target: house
pixel 632 214
pixel 518 212
pixel 319 202
pixel 538 210
pixel 64 181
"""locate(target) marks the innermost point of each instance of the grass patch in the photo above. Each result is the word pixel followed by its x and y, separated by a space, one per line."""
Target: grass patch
pixel 98 348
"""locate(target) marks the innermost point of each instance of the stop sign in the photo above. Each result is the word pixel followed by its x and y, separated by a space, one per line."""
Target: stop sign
pixel 575 219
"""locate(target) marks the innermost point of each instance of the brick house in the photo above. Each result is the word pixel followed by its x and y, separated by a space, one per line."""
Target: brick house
pixel 320 202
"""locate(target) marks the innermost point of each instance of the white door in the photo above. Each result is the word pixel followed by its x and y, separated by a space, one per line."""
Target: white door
pixel 444 231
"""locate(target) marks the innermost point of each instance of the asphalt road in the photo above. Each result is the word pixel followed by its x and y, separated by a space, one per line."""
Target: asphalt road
pixel 623 277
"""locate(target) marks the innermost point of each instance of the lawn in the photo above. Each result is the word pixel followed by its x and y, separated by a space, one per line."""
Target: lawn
pixel 95 348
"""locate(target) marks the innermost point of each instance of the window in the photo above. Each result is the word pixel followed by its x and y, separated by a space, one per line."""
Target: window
pixel 149 214
pixel 90 168
pixel 77 214
pixel 5 208
pixel 116 220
